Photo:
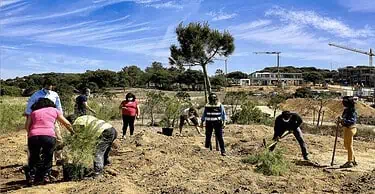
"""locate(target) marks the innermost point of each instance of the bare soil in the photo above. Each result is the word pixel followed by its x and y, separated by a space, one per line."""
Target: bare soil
pixel 332 108
pixel 149 162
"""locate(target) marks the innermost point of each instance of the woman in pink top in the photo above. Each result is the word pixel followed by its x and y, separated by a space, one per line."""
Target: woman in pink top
pixel 130 110
pixel 42 138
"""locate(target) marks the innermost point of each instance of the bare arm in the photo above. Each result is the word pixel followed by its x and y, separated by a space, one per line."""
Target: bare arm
pixel 28 123
pixel 138 111
pixel 89 108
pixel 66 123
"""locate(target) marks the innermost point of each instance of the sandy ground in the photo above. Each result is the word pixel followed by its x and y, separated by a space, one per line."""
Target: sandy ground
pixel 149 162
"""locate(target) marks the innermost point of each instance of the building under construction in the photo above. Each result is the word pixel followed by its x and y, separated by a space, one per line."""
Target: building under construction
pixel 268 78
pixel 360 75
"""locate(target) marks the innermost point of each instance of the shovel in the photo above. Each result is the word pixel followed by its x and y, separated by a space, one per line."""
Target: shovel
pixel 272 146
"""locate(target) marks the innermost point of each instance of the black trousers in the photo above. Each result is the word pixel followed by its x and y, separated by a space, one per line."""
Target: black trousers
pixel 218 127
pixel 41 154
pixel 103 148
pixel 299 137
pixel 128 121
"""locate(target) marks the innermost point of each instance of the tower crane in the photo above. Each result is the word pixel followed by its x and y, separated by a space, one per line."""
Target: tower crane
pixel 277 53
pixel 370 53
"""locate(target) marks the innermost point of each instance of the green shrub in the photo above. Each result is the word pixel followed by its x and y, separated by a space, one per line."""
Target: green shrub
pixel 79 150
pixel 106 109
pixel 10 91
pixel 172 108
pixel 303 93
pixel 268 163
pixel 11 116
pixel 153 104
pixel 250 114
pixel 183 96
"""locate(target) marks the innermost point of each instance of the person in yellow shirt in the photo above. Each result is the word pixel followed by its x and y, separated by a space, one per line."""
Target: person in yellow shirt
pixel 106 134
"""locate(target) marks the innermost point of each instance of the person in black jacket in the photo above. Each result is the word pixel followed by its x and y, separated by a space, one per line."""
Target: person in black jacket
pixel 288 121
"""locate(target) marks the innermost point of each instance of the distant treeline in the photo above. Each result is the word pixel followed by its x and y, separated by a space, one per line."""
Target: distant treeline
pixel 154 76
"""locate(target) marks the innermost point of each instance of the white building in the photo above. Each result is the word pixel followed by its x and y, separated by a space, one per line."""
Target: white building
pixel 267 78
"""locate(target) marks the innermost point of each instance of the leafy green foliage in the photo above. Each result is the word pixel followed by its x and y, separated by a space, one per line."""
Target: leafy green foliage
pixel 172 108
pixel 191 78
pixel 303 93
pixel 218 81
pixel 183 96
pixel 10 91
pixel 235 100
pixel 66 93
pixel 152 104
pixel 313 77
pixel 250 114
pixel 275 102
pixel 199 45
pixel 104 106
pixel 11 115
pixel 80 148
pixel 269 163
pixel 103 78
pixel 237 75
pixel 131 76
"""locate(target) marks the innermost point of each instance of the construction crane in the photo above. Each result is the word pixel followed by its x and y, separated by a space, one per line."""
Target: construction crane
pixel 370 54
pixel 278 61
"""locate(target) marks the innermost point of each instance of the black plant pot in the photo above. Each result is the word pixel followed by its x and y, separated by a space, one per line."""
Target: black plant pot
pixel 167 131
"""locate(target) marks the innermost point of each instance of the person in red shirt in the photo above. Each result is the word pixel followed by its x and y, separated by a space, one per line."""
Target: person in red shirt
pixel 130 111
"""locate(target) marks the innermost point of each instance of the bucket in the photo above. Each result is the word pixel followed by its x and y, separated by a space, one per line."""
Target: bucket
pixel 167 131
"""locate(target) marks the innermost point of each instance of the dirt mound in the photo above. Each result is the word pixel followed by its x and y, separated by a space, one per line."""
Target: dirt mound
pixel 364 184
pixel 332 108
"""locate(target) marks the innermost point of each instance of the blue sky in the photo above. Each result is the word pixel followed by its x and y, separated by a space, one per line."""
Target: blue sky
pixel 73 36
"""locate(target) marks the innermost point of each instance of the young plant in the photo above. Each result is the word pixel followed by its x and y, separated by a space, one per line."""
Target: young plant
pixel 172 108
pixel 79 151
pixel 152 104
pixel 250 114
pixel 268 163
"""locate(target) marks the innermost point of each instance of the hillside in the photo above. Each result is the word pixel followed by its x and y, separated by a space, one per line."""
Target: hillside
pixel 152 163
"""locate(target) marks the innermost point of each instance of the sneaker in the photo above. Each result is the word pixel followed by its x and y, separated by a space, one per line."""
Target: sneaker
pixel 223 154
pixel 347 165
pixel 48 179
pixel 306 158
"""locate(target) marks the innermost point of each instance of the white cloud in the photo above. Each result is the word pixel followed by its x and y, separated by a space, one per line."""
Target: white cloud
pixel 4 3
pixel 221 15
pixel 250 25
pixel 359 5
pixel 169 4
pixel 312 19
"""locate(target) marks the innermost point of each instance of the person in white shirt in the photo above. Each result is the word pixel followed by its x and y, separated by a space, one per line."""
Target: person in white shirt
pixel 189 114
pixel 46 92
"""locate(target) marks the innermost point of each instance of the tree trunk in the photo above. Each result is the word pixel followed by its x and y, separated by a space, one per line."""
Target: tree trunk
pixel 152 117
pixel 321 122
pixel 207 83
pixel 319 113
pixel 313 116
